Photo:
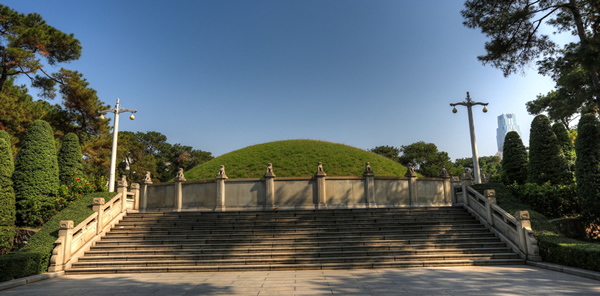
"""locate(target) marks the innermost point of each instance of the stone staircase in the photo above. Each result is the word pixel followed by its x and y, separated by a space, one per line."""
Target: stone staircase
pixel 294 240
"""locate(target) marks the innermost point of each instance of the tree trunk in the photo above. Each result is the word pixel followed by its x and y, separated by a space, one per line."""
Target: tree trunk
pixel 584 42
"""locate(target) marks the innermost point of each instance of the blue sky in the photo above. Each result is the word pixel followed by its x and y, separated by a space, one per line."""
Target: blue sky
pixel 223 75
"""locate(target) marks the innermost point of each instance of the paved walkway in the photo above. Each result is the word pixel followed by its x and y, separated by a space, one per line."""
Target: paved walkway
pixel 464 281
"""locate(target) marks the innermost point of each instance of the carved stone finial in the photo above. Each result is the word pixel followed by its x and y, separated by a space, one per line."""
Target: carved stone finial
pixel 122 182
pixel 522 215
pixel 269 173
pixel 221 173
pixel 410 171
pixel 444 173
pixel 320 171
pixel 179 177
pixel 467 174
pixel 147 179
pixel 368 170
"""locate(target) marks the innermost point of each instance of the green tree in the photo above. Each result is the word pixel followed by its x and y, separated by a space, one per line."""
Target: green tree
pixel 562 135
pixel 587 168
pixel 25 40
pixel 7 195
pixel 427 160
pixel 69 159
pixel 489 165
pixel 516 41
pixel 546 159
pixel 36 175
pixel 514 160
pixel 390 152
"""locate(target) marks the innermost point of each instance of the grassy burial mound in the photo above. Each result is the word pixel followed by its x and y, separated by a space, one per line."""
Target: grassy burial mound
pixel 296 158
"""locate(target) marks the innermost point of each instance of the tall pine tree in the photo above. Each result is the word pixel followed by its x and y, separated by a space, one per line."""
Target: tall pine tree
pixel 69 159
pixel 546 159
pixel 587 168
pixel 514 160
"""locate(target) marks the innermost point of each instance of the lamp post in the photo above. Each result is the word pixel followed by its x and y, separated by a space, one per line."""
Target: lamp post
pixel 113 157
pixel 468 103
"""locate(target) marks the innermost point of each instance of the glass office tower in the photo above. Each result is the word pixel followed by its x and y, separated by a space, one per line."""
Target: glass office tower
pixel 506 122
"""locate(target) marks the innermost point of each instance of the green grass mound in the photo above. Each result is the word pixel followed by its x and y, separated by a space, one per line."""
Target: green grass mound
pixel 296 158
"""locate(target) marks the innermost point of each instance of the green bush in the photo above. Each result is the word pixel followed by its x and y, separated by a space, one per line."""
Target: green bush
pixel 70 159
pixel 562 135
pixel 73 191
pixel 554 247
pixel 36 175
pixel 587 169
pixel 552 201
pixel 7 197
pixel 546 159
pixel 514 160
pixel 35 256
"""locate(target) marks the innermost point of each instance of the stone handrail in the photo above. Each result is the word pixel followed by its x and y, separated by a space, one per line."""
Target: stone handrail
pixel 516 229
pixel 73 241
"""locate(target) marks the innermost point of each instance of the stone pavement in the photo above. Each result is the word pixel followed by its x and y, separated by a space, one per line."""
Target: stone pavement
pixel 464 281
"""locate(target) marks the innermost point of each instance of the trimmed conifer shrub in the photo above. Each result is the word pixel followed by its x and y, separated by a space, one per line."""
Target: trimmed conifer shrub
pixel 562 135
pixel 587 167
pixel 514 160
pixel 36 175
pixel 546 159
pixel 7 197
pixel 69 159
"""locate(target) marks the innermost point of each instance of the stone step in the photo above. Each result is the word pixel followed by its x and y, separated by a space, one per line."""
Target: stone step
pixel 283 267
pixel 297 217
pixel 341 248
pixel 308 254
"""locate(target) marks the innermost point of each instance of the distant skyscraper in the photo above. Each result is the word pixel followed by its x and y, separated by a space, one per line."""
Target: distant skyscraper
pixel 506 122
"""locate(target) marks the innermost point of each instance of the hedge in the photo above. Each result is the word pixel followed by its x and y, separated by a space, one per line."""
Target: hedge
pixel 7 197
pixel 546 159
pixel 554 247
pixel 69 159
pixel 35 257
pixel 514 159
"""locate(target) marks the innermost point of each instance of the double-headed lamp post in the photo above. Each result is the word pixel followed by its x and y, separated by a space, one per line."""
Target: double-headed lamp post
pixel 113 157
pixel 470 103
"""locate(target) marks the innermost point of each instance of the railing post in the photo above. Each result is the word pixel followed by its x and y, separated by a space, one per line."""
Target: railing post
pixel 135 188
pixel 412 184
pixel 99 208
pixel 321 191
pixel 447 185
pixel 144 195
pixel 178 193
pixel 453 181
pixel 122 189
pixel 490 199
pixel 466 181
pixel 527 243
pixel 369 176
pixel 269 187
pixel 66 231
pixel 221 177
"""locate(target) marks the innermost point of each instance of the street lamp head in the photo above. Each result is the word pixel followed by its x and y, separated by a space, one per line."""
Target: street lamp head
pixel 454 110
pixel 132 117
pixel 102 117
pixel 485 110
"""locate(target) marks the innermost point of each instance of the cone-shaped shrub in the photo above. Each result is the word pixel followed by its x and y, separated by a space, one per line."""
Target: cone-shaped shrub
pixel 7 196
pixel 587 166
pixel 562 135
pixel 546 159
pixel 514 160
pixel 69 159
pixel 36 175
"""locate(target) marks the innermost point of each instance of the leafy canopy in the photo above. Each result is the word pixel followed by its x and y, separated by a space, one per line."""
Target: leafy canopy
pixel 427 160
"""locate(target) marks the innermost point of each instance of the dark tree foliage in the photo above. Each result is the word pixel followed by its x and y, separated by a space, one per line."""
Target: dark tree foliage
pixel 70 160
pixel 489 165
pixel 25 40
pixel 514 160
pixel 562 135
pixel 427 160
pixel 7 196
pixel 36 174
pixel 587 167
pixel 546 159
pixel 390 152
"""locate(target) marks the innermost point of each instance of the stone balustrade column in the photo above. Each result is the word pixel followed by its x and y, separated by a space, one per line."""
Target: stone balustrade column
pixel 447 185
pixel 369 176
pixel 178 202
pixel 66 231
pixel 221 177
pixel 466 181
pixel 122 189
pixel 99 208
pixel 269 187
pixel 490 199
pixel 321 190
pixel 144 194
pixel 412 184
pixel 135 189
pixel 527 243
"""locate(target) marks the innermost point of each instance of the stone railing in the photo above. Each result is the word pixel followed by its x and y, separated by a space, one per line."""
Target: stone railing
pixel 73 241
pixel 514 230
pixel 316 192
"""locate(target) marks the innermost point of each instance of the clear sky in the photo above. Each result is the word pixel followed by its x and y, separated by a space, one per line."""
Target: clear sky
pixel 223 75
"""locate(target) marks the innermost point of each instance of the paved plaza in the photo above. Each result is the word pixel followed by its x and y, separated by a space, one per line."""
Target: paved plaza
pixel 485 280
